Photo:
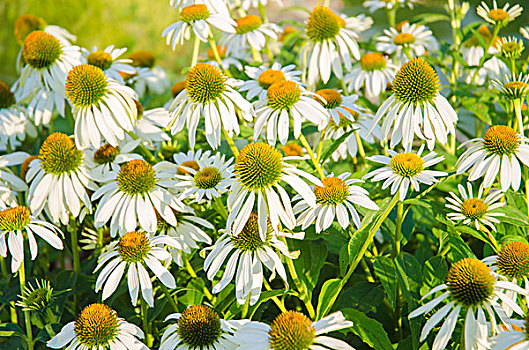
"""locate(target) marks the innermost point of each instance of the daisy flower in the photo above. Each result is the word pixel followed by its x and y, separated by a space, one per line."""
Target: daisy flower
pixel 108 158
pixel 373 72
pixel 213 178
pixel 499 16
pixel 261 78
pixel 25 24
pixel 334 200
pixel 499 151
pixel 287 103
pixel 189 161
pixel 293 330
pixel 214 6
pixel 186 233
pixel 250 30
pixel 133 251
pixel 259 169
pixel 59 180
pixel 149 77
pixel 200 327
pixel 248 253
pixel 211 95
pixel 415 39
pixel 374 5
pixel 108 60
pixel 17 223
pixel 513 87
pixel 9 182
pixel 198 19
pixel 132 194
pixel 510 47
pixel 330 46
pixel 475 211
pixel 470 286
pixel 102 107
pixel 151 125
pixel 403 169
pixel 516 337
pixel 14 125
pixel 98 327
pixel 338 105
pixel 416 107
pixel 359 23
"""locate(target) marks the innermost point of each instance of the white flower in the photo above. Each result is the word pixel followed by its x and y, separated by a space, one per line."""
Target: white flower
pixel 525 32
pixel 214 6
pixel 287 103
pixel 296 330
pixel 470 285
pixel 338 106
pixel 133 251
pixel 248 4
pixel 200 327
pixel 335 200
pixel 211 95
pixel 150 127
pixel 331 45
pixel 403 169
pixel 14 124
pixel 107 158
pixel 9 182
pixel 512 338
pixel 416 107
pixel 149 79
pixel 373 72
pixel 498 152
pixel 197 18
pixel 415 38
pixel 25 24
pixel 359 24
pixel 59 181
pixel 98 327
pixel 132 194
pixel 15 223
pixel 499 16
pixel 249 252
pixel 109 62
pixel 250 30
pixel 475 210
pixel 374 5
pixel 261 78
pixel 259 169
pixel 189 160
pixel 234 59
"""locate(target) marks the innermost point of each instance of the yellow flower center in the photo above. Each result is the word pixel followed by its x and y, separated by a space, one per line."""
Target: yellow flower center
pixel 207 178
pixel 258 166
pixel 286 32
pixel 178 87
pixel 24 167
pixel 248 24
pixel 269 77
pixel 205 83
pixel 249 240
pixel 136 177
pixel 474 208
pixel 162 225
pixel 188 164
pixel 283 95
pixel 86 85
pixel 323 24
pixel 501 140
pixel 100 59
pixel 416 82
pixel 133 247
pixel 221 51
pixel 373 61
pixel 513 260
pixel 404 39
pixel 407 164
pixel 292 149
pixel 26 24
pixel 335 191
pixel 14 219
pixel 291 330
pixel 96 326
pixel 498 15
pixel 511 48
pixel 106 154
pixel 7 98
pixel 41 49
pixel 142 59
pixel 38 298
pixel 485 34
pixel 193 13
pixel 470 282
pixel 515 89
pixel 333 98
pixel 58 154
pixel 399 25
pixel 199 327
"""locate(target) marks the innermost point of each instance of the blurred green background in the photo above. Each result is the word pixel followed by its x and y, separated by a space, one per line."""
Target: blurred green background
pixel 138 24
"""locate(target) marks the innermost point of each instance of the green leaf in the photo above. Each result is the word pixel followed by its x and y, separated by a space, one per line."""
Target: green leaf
pixel 387 273
pixel 434 272
pixel 458 248
pixel 513 216
pixel 431 17
pixel 310 261
pixel 335 146
pixel 369 330
pixel 329 292
pixel 364 296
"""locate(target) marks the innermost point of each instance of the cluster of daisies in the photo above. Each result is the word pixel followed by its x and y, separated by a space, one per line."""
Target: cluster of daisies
pixel 270 137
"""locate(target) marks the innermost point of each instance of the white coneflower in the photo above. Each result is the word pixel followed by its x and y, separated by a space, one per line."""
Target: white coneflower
pixel 102 107
pixel 261 78
pixel 250 30
pixel 416 107
pixel 335 200
pixel 470 286
pixel 149 76
pixel 200 327
pixel 416 39
pixel 338 106
pixel 287 103
pixel 151 126
pixel 499 16
pixel 476 211
pixel 132 194
pixel 330 46
pixel 515 337
pixel 259 170
pixel 403 169
pixel 98 327
pixel 108 158
pixel 59 180
pixel 133 252
pixel 9 182
pixel 248 4
pixel 14 125
pixel 226 61
pixel 374 5
pixel 187 161
pixel 25 24
pixel 198 19
pixel 215 6
pixel 15 223
pixel 108 60
pixel 293 330
pixel 525 32
pixel 211 95
pixel 513 87
pixel 373 72
pixel 248 253
pixel 499 151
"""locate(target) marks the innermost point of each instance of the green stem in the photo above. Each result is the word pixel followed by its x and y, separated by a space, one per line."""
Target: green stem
pixel 193 274
pixel 305 143
pixel 361 149
pixel 276 300
pixel 148 154
pixel 196 48
pixel 149 339
pixel 75 247
pixel 245 307
pixel 398 229
pixel 27 315
pixel 392 15
pixel 216 53
pixel 519 117
pixel 169 297
pixel 256 55
pixel 231 143
pixel 320 145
